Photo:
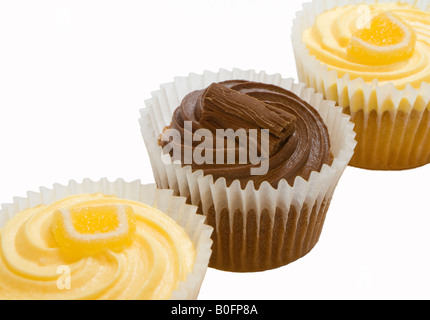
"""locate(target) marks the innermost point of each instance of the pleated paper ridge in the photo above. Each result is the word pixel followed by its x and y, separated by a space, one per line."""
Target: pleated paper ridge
pixel 382 144
pixel 175 207
pixel 202 190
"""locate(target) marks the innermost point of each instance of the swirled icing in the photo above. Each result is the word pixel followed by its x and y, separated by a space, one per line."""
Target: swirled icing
pixel 299 140
pixel 328 40
pixel 32 264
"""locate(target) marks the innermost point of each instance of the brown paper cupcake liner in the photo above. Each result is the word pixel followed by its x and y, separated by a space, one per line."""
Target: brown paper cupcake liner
pixel 253 242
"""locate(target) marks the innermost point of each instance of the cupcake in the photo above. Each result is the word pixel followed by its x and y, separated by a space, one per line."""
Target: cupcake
pixel 102 240
pixel 372 59
pixel 258 154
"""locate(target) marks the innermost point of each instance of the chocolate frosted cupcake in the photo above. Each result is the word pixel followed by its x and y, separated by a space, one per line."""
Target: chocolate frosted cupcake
pixel 258 154
pixel 298 139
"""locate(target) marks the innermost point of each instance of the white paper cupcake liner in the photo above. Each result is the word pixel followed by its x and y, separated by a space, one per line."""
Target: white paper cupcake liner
pixel 391 124
pixel 231 209
pixel 175 207
pixel 341 89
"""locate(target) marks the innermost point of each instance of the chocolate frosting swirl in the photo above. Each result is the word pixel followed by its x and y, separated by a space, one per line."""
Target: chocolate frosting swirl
pixel 298 138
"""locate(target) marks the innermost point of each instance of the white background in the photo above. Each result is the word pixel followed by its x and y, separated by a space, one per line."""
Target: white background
pixel 74 74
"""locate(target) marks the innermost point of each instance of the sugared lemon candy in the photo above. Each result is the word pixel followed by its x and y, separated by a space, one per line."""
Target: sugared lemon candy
pixel 387 40
pixel 93 229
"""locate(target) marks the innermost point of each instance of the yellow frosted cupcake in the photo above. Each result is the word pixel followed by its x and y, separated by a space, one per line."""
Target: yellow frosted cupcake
pixel 93 241
pixel 373 59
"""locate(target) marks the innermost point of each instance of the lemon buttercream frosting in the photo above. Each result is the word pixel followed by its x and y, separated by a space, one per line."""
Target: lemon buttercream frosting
pixel 93 246
pixel 373 60
pixel 329 40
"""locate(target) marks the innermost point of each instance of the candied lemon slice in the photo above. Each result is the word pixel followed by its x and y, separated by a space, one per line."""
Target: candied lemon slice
pixel 92 229
pixel 386 41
